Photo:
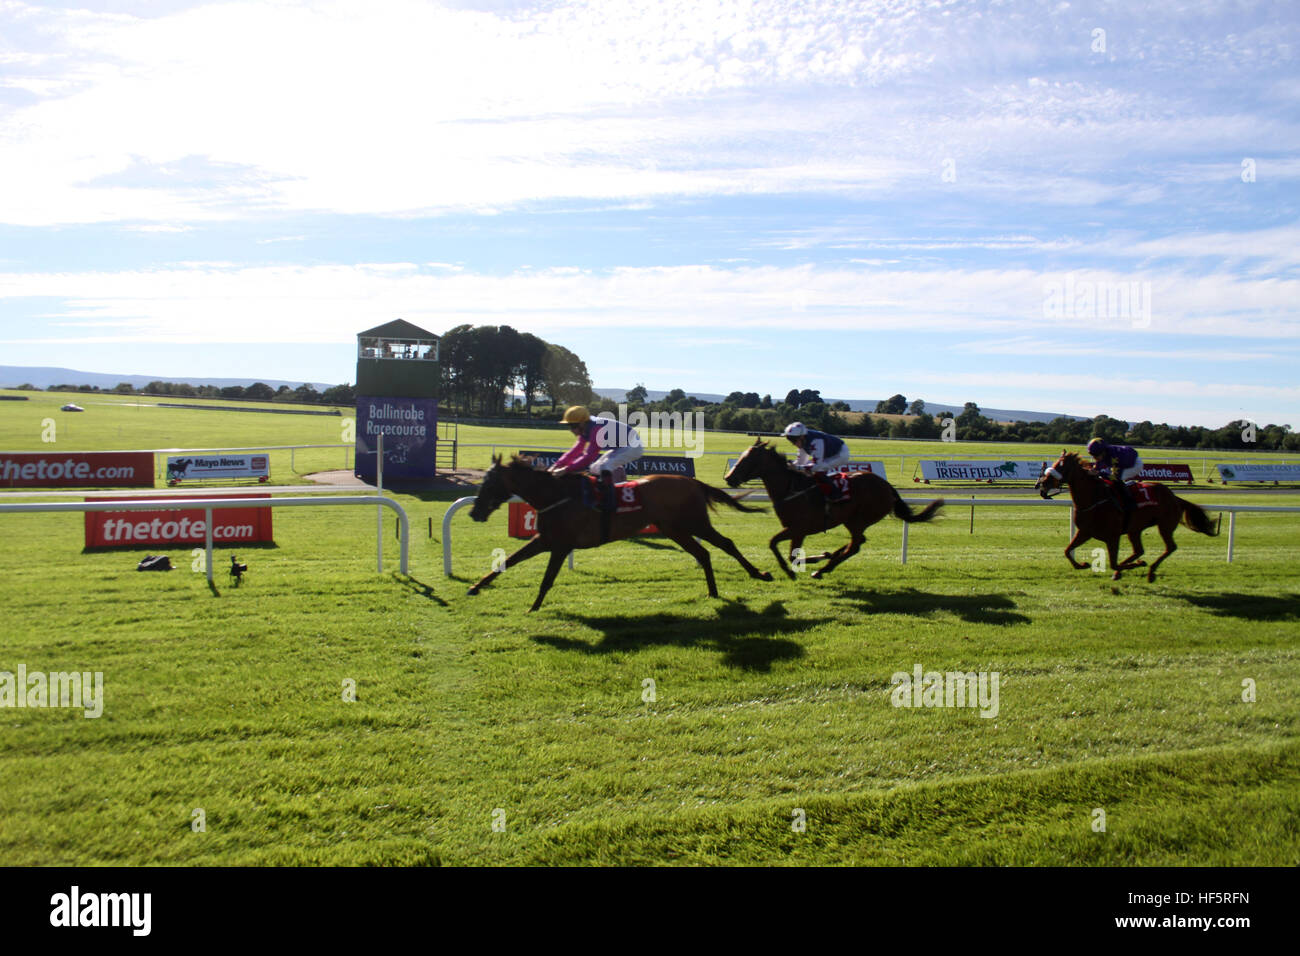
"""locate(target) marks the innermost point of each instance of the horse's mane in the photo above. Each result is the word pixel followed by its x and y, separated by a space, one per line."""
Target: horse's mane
pixel 771 450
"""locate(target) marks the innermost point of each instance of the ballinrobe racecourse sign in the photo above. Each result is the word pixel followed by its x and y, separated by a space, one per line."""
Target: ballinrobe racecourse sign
pixel 84 469
pixel 410 430
pixel 643 467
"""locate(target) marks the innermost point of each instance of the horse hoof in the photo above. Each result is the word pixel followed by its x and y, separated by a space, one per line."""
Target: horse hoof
pixel 1115 576
pixel 472 591
pixel 766 576
pixel 816 574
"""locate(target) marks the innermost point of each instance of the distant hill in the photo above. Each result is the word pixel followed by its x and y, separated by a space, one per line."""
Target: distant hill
pixel 869 405
pixel 11 376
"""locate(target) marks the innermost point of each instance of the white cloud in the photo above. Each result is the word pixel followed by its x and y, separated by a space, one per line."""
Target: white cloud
pixel 408 107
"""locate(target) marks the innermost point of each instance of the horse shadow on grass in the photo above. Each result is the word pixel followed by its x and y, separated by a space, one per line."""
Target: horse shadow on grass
pixel 745 637
pixel 973 608
pixel 1249 607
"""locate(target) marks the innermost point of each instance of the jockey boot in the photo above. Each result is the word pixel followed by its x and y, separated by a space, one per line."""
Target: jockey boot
pixel 607 505
pixel 1126 502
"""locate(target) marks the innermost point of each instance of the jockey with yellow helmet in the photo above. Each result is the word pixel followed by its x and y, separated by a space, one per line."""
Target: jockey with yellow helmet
pixel 604 447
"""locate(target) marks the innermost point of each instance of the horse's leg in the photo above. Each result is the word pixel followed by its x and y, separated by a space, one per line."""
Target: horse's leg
pixel 1134 560
pixel 1112 550
pixel 785 534
pixel 533 546
pixel 692 547
pixel 723 543
pixel 552 569
pixel 1078 539
pixel 1167 533
pixel 843 554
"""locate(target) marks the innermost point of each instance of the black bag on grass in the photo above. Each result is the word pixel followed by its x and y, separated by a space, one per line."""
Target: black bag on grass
pixel 155 562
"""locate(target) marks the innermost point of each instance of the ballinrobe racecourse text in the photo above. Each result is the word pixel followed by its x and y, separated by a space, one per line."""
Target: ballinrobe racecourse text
pixel 1057 903
pixel 388 420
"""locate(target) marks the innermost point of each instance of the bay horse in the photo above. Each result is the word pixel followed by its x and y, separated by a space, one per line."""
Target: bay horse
pixel 677 505
pixel 798 503
pixel 1097 514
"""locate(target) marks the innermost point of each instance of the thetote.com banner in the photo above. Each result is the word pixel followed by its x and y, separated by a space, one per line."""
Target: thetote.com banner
pixel 106 529
pixel 76 469
pixel 410 430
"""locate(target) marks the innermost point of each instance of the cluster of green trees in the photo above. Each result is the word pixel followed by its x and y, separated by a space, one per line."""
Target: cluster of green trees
pixel 748 412
pixel 482 365
pixel 257 392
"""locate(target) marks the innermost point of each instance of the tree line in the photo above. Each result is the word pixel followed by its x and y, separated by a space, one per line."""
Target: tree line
pixel 748 412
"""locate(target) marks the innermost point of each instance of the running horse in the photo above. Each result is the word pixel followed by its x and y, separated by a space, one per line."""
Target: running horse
pixel 1098 514
pixel 799 504
pixel 677 505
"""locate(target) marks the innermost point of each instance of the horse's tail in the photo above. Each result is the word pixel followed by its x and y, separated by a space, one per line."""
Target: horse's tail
pixel 1194 517
pixel 901 509
pixel 716 496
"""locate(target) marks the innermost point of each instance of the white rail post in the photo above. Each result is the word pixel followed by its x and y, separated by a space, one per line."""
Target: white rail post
pixel 1232 533
pixel 379 511
pixel 905 526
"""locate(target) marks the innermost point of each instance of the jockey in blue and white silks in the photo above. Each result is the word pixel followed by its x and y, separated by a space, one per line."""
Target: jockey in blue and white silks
pixel 818 454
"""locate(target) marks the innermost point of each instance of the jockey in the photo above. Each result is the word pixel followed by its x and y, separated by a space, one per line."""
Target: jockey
pixel 1120 462
pixel 604 447
pixel 818 454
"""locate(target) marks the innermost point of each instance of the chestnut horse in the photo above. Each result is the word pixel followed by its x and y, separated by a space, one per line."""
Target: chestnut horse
pixel 678 506
pixel 799 504
pixel 1097 514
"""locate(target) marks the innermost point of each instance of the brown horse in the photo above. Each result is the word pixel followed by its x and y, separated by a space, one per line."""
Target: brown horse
pixel 678 506
pixel 799 504
pixel 1097 514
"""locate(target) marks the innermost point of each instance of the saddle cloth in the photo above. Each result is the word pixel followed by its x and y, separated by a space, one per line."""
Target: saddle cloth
pixel 836 485
pixel 627 495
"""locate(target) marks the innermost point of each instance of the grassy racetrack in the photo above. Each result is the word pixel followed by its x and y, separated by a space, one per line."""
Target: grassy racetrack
pixel 771 706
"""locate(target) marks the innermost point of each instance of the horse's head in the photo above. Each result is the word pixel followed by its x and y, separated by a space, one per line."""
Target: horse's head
pixel 750 464
pixel 1057 476
pixel 493 493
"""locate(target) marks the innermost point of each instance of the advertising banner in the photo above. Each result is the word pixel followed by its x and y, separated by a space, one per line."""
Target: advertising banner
pixel 855 464
pixel 199 467
pixel 410 430
pixel 983 470
pixel 173 526
pixel 1279 472
pixel 1165 473
pixel 643 467
pixel 77 469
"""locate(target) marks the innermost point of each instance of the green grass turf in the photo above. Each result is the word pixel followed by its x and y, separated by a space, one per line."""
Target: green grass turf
pixel 1125 698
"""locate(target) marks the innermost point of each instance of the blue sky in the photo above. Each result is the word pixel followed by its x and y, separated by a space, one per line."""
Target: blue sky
pixel 1077 207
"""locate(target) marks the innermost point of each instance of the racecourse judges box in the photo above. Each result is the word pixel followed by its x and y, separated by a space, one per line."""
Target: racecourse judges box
pixel 398 378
